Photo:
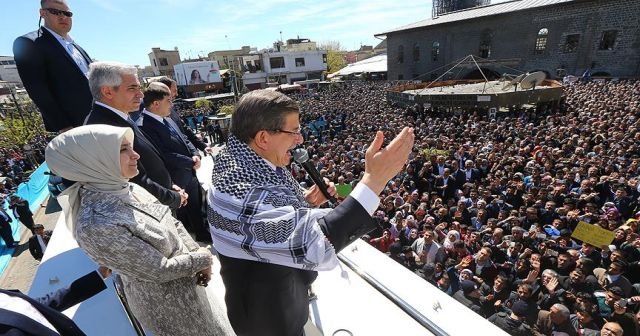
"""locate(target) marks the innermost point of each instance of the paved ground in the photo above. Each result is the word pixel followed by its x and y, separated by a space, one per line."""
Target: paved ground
pixel 22 267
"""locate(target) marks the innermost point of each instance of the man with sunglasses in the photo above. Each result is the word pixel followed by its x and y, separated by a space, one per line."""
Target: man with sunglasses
pixel 53 69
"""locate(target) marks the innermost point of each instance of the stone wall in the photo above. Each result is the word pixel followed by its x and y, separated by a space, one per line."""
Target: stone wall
pixel 513 37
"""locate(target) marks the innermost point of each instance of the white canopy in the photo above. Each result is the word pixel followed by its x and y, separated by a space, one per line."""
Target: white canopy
pixel 372 64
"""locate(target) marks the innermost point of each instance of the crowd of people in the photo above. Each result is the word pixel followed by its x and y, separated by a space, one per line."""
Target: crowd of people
pixel 16 162
pixel 485 209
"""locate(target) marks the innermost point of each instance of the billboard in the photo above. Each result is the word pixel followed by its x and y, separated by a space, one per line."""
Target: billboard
pixel 195 73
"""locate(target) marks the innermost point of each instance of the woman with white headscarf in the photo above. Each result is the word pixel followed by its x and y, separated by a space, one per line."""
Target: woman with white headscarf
pixel 121 226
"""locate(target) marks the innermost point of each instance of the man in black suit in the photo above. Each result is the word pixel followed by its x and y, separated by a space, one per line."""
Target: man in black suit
pixel 180 157
pixel 117 92
pixel 42 315
pixel 39 241
pixel 5 228
pixel 439 167
pixel 270 238
pixel 21 211
pixel 184 128
pixel 53 69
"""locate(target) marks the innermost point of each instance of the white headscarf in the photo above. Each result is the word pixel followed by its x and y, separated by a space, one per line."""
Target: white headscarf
pixel 90 156
pixel 448 244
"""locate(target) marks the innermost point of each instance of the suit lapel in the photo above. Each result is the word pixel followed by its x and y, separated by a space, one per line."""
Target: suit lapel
pixel 53 40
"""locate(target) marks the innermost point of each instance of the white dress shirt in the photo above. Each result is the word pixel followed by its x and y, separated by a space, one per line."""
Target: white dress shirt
pixel 70 48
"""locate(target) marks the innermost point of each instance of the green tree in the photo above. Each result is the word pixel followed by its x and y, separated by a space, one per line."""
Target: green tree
pixel 335 55
pixel 20 122
pixel 335 61
pixel 203 103
pixel 226 109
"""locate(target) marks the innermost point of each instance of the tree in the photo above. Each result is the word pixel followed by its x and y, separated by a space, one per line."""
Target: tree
pixel 335 55
pixel 20 121
pixel 335 61
pixel 226 109
pixel 203 103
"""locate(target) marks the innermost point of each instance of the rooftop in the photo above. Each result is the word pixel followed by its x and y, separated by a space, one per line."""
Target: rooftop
pixel 476 12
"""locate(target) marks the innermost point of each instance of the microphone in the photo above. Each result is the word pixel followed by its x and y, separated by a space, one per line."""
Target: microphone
pixel 301 157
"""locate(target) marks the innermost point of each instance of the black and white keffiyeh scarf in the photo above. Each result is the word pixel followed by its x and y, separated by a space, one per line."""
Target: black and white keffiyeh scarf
pixel 254 214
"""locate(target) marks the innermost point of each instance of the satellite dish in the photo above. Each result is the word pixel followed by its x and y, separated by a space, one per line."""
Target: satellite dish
pixel 513 82
pixel 532 80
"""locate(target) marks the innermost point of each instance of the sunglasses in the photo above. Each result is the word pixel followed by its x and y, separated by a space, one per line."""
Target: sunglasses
pixel 58 12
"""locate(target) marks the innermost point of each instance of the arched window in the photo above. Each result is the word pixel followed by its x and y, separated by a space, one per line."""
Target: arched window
pixel 435 50
pixel 416 53
pixel 400 54
pixel 541 41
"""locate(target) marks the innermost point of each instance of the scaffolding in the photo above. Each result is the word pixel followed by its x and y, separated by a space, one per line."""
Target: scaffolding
pixel 442 7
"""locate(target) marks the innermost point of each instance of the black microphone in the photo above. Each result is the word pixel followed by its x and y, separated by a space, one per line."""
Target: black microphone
pixel 301 157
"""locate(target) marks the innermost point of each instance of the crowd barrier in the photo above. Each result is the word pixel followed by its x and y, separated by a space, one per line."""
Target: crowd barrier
pixel 35 191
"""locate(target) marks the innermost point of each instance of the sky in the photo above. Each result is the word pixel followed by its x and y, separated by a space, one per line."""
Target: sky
pixel 126 30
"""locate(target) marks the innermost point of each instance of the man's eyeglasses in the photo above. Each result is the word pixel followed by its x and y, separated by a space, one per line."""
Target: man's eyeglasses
pixel 58 12
pixel 296 132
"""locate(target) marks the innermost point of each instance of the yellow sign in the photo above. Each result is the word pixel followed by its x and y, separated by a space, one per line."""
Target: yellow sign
pixel 593 234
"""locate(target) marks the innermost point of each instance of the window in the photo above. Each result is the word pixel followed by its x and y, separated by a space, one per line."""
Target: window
pixel 276 62
pixel 324 58
pixel 485 43
pixel 541 41
pixel 163 61
pixel 154 63
pixel 608 40
pixel 572 42
pixel 435 50
pixel 416 53
pixel 299 61
pixel 485 51
pixel 401 54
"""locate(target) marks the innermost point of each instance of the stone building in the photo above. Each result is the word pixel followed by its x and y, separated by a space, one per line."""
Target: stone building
pixel 163 61
pixel 555 36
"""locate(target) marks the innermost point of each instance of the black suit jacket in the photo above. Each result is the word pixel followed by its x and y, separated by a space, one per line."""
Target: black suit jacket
pixel 53 80
pixel 177 151
pixel 186 130
pixel 153 176
pixel 50 306
pixel 272 300
pixel 34 245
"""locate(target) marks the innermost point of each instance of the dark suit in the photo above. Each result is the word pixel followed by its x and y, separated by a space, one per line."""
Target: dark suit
pixel 34 245
pixel 272 300
pixel 50 306
pixel 53 79
pixel 177 153
pixel 5 229
pixel 446 192
pixel 24 214
pixel 460 177
pixel 186 130
pixel 153 176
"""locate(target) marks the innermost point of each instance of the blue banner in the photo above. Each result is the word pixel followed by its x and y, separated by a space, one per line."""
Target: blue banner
pixel 35 191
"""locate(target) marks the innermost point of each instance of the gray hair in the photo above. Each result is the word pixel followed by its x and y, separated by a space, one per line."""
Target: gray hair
pixel 550 273
pixel 103 74
pixel 562 309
